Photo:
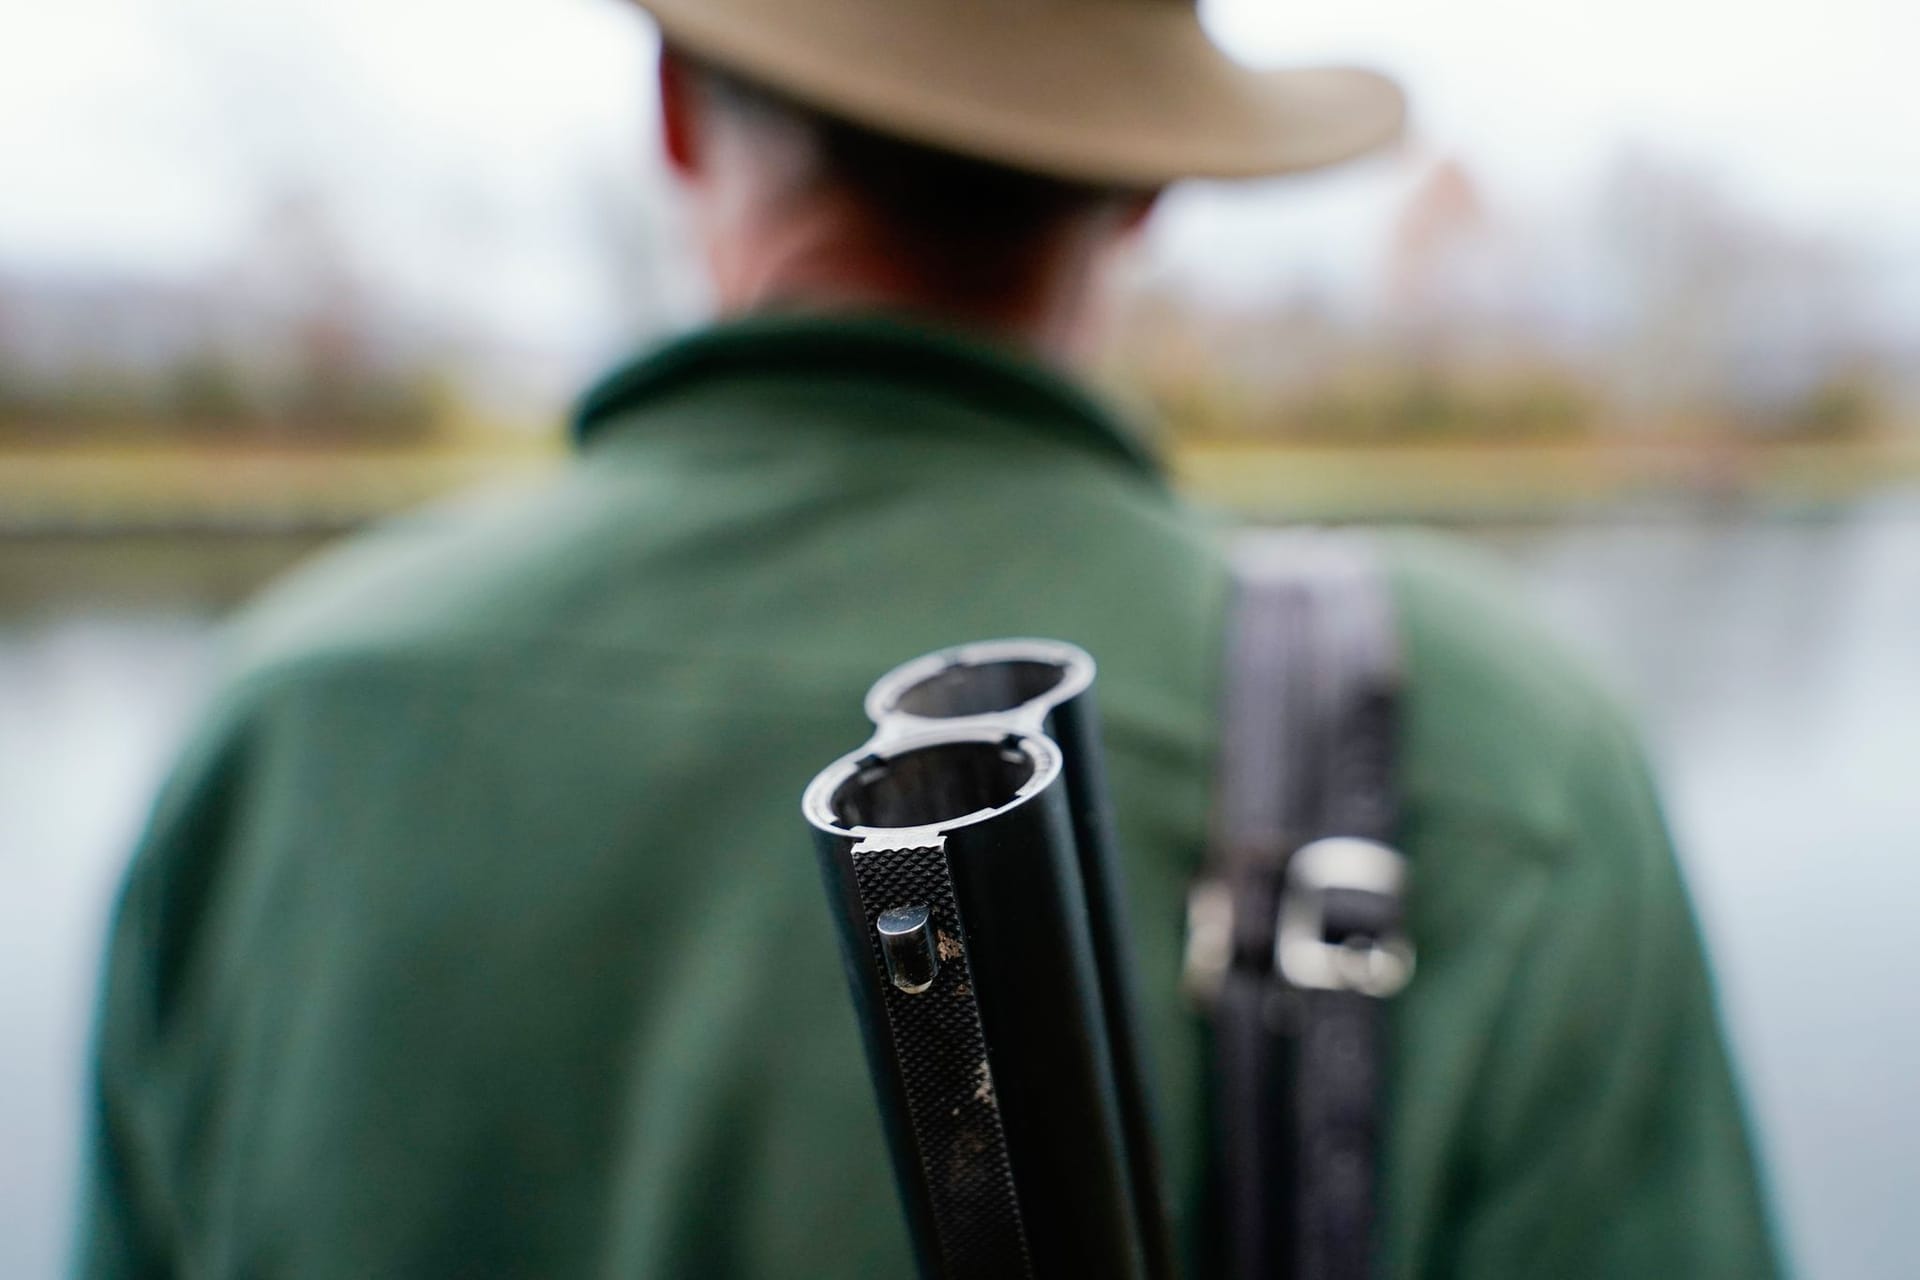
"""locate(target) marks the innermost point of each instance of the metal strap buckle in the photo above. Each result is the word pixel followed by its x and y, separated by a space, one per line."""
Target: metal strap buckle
pixel 1209 953
pixel 1317 953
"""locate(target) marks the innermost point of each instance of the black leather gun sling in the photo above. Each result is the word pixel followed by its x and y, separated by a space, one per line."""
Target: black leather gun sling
pixel 1295 937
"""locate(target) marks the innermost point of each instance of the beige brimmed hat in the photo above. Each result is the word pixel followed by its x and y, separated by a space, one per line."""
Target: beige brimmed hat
pixel 1113 91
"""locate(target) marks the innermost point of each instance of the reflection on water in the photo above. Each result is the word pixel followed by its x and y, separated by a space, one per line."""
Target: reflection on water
pixel 1775 664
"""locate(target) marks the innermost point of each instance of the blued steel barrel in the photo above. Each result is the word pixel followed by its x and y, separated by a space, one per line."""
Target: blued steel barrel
pixel 1047 687
pixel 967 852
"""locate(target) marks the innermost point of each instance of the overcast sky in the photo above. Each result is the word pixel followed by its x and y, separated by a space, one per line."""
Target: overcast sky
pixel 450 133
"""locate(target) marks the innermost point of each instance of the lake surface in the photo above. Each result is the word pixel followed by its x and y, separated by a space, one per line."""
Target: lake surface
pixel 1776 663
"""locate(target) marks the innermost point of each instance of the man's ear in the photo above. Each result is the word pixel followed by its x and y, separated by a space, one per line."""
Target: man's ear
pixel 1137 209
pixel 679 111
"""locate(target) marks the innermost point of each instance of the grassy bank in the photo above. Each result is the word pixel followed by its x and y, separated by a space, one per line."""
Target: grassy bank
pixel 187 488
pixel 194 488
pixel 1529 481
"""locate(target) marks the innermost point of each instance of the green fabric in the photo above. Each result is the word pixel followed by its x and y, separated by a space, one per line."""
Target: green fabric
pixel 478 933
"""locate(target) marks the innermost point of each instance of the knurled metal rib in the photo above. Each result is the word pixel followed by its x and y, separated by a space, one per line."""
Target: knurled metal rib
pixel 941 1048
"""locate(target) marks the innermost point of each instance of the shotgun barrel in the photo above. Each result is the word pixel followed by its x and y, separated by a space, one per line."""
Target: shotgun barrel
pixel 968 855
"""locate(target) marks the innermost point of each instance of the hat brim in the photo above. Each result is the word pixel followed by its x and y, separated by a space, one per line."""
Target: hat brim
pixel 1121 92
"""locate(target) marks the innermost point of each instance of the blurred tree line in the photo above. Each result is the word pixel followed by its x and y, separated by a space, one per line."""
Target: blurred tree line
pixel 287 344
pixel 1665 308
pixel 1661 305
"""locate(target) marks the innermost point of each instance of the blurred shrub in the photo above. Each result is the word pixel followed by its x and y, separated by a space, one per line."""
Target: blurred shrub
pixel 1417 402
pixel 1845 408
pixel 210 396
pixel 1375 401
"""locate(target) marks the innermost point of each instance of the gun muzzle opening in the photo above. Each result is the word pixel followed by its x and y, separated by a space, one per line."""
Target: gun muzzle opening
pixel 990 677
pixel 928 785
pixel 978 689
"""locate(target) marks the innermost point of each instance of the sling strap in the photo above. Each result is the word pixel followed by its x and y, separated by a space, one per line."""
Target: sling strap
pixel 1295 938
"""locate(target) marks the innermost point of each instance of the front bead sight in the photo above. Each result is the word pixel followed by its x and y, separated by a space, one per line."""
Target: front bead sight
pixel 907 943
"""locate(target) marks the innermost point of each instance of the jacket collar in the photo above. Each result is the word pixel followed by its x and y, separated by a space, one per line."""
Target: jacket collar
pixel 855 349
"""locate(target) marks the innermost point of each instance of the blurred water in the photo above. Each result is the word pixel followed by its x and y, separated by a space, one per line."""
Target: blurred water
pixel 104 651
pixel 1777 668
pixel 1777 665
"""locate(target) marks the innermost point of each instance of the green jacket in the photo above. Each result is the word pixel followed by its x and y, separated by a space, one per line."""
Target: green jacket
pixel 477 932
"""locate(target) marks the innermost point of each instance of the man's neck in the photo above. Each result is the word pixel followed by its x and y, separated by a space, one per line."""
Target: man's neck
pixel 827 260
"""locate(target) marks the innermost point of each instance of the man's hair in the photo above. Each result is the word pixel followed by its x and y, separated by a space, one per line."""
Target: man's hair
pixel 930 193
